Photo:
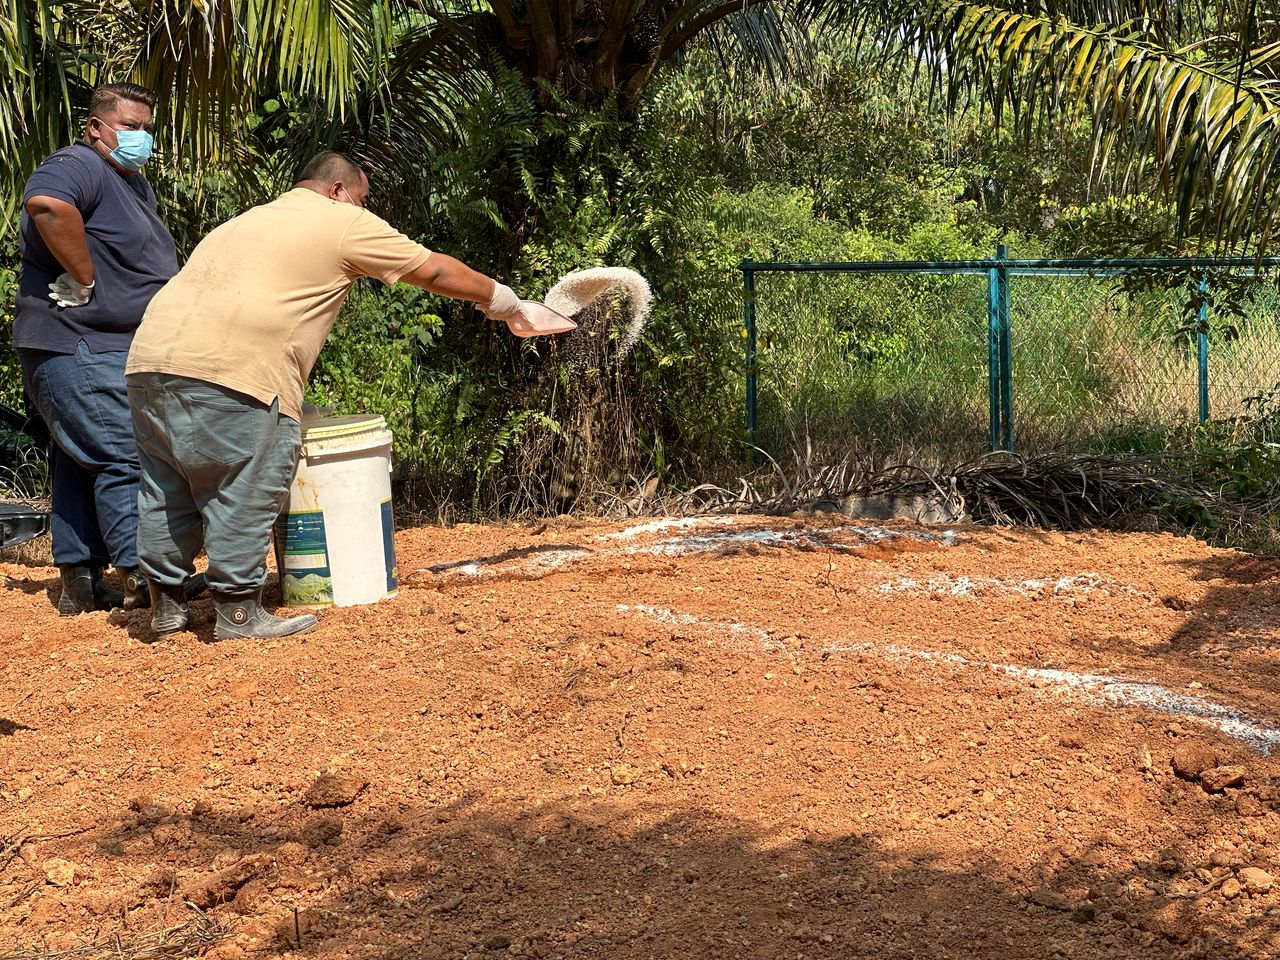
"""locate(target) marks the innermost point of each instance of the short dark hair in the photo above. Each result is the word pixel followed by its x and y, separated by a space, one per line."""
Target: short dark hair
pixel 107 97
pixel 330 167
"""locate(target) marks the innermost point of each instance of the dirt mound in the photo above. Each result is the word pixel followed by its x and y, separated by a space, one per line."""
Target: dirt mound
pixel 724 737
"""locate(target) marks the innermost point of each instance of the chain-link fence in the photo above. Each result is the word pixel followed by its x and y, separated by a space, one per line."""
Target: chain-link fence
pixel 940 362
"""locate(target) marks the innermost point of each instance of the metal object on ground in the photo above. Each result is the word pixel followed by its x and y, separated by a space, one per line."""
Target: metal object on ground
pixel 20 522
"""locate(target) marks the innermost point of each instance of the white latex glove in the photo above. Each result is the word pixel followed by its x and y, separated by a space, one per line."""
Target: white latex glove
pixel 504 305
pixel 67 291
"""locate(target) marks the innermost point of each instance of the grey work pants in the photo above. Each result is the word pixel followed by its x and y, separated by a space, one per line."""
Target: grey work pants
pixel 216 469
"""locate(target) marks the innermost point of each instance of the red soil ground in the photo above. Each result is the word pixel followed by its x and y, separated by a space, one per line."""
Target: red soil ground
pixel 526 765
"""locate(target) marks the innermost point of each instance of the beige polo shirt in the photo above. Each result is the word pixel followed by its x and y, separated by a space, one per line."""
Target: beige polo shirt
pixel 252 308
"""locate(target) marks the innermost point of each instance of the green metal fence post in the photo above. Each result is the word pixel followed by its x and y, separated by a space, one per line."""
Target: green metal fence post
pixel 1202 350
pixel 1006 349
pixel 993 357
pixel 749 319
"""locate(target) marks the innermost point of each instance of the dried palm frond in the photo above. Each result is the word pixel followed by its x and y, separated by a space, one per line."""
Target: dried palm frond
pixel 190 938
pixel 1060 491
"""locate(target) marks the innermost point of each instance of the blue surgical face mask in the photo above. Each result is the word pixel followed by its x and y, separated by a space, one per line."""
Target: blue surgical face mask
pixel 133 148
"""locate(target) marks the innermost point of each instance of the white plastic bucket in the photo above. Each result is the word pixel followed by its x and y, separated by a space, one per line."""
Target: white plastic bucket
pixel 334 540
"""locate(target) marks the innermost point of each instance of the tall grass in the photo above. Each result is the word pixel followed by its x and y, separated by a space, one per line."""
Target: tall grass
pixel 898 364
pixel 882 362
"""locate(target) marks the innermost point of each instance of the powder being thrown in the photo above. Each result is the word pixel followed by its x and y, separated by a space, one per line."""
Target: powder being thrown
pixel 576 292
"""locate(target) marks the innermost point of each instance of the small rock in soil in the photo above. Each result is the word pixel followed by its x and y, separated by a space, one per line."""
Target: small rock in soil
pixel 149 811
pixel 224 885
pixel 158 882
pixel 251 899
pixel 303 921
pixel 1217 779
pixel 291 853
pixel 1255 880
pixel 1248 805
pixel 623 774
pixel 1143 758
pixel 1050 899
pixel 320 829
pixel 59 872
pixel 1191 759
pixel 497 942
pixel 1231 888
pixel 102 903
pixel 334 790
pixel 1222 858
pixel 449 905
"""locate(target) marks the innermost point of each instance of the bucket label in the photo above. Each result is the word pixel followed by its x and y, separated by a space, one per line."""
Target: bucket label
pixel 303 550
pixel 389 548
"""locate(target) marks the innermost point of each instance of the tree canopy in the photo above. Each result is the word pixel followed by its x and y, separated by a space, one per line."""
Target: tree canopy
pixel 1179 95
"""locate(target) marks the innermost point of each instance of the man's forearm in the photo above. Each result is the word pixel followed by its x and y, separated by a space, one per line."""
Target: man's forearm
pixel 62 228
pixel 448 277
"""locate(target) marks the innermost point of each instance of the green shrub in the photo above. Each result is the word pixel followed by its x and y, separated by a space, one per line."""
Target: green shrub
pixel 10 369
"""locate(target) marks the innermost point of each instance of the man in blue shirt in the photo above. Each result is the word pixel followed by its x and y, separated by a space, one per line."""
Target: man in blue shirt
pixel 94 253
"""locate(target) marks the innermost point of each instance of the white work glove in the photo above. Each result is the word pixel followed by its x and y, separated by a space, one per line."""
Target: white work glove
pixel 67 291
pixel 504 305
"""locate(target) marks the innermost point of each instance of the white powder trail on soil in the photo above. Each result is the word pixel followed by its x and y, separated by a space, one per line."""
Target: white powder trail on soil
pixel 576 291
pixel 965 586
pixel 1093 688
pixel 805 539
pixel 539 564
pixel 549 561
pixel 655 526
pixel 672 618
pixel 1104 690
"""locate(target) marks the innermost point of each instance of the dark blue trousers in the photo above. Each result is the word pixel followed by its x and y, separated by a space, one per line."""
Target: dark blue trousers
pixel 94 461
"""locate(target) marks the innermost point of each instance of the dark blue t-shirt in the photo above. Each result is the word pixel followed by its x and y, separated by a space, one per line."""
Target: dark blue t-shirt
pixel 133 255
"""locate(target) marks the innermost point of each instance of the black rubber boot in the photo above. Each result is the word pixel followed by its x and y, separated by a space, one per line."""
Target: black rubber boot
pixel 195 586
pixel 169 610
pixel 107 598
pixel 77 590
pixel 84 592
pixel 244 616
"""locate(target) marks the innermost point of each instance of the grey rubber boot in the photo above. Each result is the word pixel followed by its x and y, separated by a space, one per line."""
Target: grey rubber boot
pixel 84 592
pixel 169 610
pixel 244 616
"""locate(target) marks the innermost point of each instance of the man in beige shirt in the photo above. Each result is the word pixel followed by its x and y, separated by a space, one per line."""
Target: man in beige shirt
pixel 216 376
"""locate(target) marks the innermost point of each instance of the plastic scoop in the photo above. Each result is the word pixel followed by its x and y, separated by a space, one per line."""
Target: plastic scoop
pixel 539 320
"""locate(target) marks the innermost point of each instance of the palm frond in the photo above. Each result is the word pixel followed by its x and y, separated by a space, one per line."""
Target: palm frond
pixel 1202 127
pixel 210 63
